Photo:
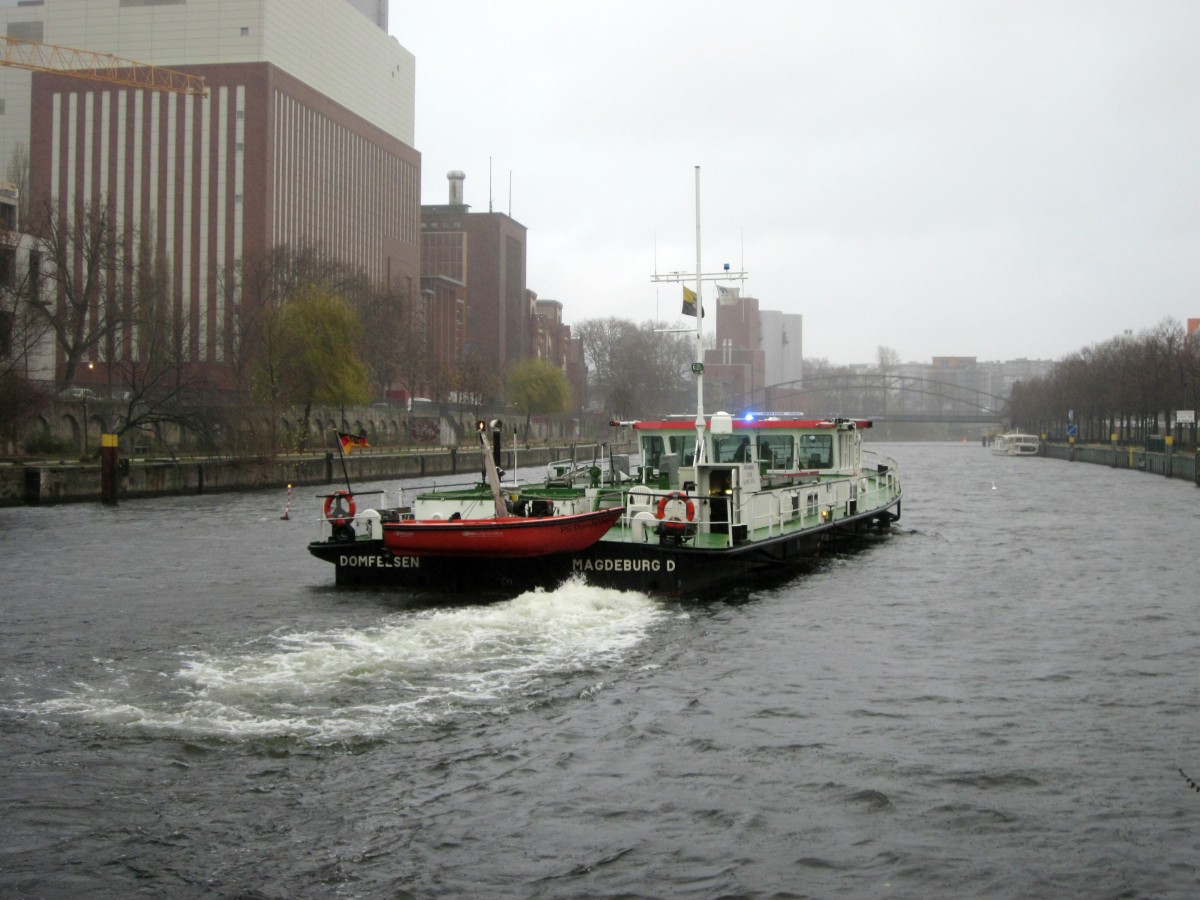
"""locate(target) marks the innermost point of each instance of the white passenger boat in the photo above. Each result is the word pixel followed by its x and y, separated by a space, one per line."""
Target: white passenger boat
pixel 1016 444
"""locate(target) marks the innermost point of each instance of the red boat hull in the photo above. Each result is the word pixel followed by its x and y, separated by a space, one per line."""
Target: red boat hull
pixel 513 536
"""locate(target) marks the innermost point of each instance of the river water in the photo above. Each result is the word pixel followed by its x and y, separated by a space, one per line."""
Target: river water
pixel 996 701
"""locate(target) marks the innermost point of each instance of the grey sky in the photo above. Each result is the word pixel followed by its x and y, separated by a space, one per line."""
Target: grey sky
pixel 957 178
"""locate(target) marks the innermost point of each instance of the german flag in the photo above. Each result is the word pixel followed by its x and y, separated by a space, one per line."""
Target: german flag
pixel 350 441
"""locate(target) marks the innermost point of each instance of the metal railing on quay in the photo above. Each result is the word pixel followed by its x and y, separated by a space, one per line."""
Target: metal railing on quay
pixel 1172 464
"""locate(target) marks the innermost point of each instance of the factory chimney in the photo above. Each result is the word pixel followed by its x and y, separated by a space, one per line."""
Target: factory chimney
pixel 456 186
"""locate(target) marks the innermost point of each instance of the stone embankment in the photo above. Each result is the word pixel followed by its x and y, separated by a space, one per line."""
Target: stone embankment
pixel 36 482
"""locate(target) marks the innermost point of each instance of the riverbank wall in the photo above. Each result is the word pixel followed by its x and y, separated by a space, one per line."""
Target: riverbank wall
pixel 1183 466
pixel 44 482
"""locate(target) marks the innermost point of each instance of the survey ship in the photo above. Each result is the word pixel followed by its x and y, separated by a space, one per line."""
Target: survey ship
pixel 714 500
pixel 763 495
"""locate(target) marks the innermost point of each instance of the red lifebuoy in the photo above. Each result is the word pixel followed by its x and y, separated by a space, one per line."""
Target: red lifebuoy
pixel 340 515
pixel 690 508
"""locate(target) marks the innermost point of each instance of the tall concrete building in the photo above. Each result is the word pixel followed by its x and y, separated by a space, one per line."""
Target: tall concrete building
pixel 783 346
pixel 486 252
pixel 375 10
pixel 305 137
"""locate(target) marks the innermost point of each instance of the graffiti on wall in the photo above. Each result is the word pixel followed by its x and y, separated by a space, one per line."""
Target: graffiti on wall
pixel 423 431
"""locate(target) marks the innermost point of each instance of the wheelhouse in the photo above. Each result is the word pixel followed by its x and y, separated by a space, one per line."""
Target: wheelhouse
pixel 770 447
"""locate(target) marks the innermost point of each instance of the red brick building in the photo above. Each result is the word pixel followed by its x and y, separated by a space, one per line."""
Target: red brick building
pixel 486 252
pixel 737 365
pixel 291 146
pixel 551 339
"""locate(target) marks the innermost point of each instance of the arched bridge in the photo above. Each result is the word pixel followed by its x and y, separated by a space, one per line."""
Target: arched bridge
pixel 884 396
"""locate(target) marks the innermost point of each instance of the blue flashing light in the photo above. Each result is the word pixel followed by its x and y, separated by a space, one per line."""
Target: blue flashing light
pixel 749 417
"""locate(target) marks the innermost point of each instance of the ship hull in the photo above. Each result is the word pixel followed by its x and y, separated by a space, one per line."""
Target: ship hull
pixel 674 569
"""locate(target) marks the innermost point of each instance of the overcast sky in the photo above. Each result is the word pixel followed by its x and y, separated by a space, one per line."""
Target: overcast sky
pixel 988 179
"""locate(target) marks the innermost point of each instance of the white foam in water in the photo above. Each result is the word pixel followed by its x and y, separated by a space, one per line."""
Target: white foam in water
pixel 416 668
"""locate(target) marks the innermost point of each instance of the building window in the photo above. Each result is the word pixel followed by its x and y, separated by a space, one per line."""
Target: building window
pixel 34 275
pixel 240 146
pixel 241 114
pixel 245 31
pixel 6 329
pixel 8 266
pixel 237 198
pixel 26 31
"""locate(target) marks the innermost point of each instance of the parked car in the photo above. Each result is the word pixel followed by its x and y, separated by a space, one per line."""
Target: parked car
pixel 77 393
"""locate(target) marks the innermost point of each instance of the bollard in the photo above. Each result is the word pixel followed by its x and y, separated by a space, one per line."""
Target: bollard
pixel 110 462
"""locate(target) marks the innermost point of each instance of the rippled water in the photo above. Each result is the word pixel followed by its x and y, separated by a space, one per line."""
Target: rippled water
pixel 995 702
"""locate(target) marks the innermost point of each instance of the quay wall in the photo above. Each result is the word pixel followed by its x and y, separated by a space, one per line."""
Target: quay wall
pixel 33 483
pixel 1181 465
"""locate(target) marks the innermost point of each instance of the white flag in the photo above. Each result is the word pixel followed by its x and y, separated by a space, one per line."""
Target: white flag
pixel 727 296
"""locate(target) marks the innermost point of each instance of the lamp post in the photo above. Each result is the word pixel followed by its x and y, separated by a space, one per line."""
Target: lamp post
pixel 85 415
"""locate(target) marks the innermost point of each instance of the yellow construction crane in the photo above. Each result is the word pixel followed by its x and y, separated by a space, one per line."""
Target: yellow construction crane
pixel 96 67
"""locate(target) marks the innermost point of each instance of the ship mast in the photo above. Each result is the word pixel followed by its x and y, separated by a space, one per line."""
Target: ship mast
pixel 699 277
pixel 698 365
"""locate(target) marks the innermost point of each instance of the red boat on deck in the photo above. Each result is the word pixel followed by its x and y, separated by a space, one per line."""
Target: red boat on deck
pixel 510 536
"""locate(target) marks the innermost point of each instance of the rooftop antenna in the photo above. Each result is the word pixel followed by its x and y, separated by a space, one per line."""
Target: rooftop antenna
pixel 656 290
pixel 489 184
pixel 510 193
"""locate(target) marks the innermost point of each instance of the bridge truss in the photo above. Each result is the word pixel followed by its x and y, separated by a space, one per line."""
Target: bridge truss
pixel 877 395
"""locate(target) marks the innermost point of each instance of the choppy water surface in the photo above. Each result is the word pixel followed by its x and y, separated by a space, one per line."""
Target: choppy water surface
pixel 993 703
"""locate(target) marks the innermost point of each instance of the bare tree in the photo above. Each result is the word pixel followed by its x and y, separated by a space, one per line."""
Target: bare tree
pixel 21 329
pixel 1130 386
pixel 475 383
pixel 151 360
pixel 636 370
pixel 21 334
pixel 393 344
pixel 84 258
pixel 18 176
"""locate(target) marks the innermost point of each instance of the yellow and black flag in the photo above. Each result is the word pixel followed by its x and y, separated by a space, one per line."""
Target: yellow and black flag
pixel 689 302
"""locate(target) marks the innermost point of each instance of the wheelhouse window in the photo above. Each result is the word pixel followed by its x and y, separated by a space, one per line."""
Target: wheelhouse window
pixel 816 451
pixel 685 446
pixel 652 451
pixel 779 451
pixel 731 448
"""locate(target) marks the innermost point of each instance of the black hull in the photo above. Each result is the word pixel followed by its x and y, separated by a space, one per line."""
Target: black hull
pixel 650 568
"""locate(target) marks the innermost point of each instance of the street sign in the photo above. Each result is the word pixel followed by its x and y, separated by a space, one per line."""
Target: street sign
pixel 1072 431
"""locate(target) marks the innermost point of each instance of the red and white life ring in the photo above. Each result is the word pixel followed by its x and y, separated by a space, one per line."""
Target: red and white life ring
pixel 689 508
pixel 347 510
